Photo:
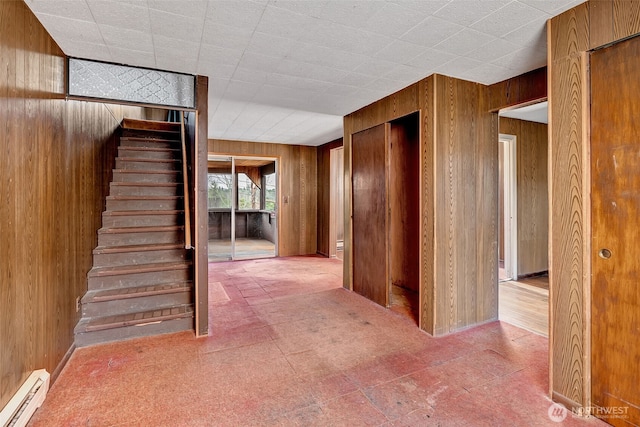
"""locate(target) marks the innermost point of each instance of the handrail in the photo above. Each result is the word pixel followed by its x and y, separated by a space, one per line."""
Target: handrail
pixel 185 183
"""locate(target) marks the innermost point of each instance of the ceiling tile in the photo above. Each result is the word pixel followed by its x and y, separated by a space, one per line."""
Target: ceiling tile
pixel 406 73
pixel 129 57
pixel 400 52
pixel 190 8
pixel 80 49
pixel 243 14
pixel 358 79
pixel 226 36
pixel 127 39
pixel 376 67
pixel 176 26
pixel 505 20
pixel 495 49
pixel 352 13
pixel 466 12
pixel 431 59
pixel 307 61
pixel 287 24
pixel 464 42
pixel 526 57
pixel 458 66
pixel 219 55
pixel 132 15
pixel 431 31
pixel 310 8
pixel 324 56
pixel 394 20
pixel 215 69
pixel 70 9
pixel 551 6
pixel 267 44
pixel 532 34
pixel 71 29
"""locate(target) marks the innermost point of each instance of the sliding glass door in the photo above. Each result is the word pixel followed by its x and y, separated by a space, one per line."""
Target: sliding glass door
pixel 243 207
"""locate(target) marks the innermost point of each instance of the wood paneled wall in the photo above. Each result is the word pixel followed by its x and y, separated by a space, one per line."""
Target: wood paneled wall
pixel 522 89
pixel 324 195
pixel 569 37
pixel 56 158
pixel 297 224
pixel 459 182
pixel 533 193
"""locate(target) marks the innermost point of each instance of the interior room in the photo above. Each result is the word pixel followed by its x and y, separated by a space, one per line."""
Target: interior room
pixel 523 244
pixel 242 204
pixel 319 212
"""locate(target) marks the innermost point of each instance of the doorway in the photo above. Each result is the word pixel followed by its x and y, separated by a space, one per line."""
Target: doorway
pixel 336 203
pixel 242 207
pixel 523 217
pixel 386 214
pixel 508 209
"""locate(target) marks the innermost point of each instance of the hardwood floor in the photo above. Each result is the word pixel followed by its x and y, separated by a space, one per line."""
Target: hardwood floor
pixel 525 304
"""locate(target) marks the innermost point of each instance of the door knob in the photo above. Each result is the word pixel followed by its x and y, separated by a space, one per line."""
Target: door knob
pixel 604 253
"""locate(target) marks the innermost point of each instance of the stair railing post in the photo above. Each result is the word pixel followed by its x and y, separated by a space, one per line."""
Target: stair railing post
pixel 185 183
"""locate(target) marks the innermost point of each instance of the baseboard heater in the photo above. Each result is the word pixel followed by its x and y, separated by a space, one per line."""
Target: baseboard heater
pixel 28 398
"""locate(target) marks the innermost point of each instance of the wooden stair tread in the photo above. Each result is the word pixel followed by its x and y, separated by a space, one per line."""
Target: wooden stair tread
pixel 142 213
pixel 143 139
pixel 135 292
pixel 147 160
pixel 137 268
pixel 146 184
pixel 151 125
pixel 118 197
pixel 147 171
pixel 140 318
pixel 136 248
pixel 152 149
pixel 142 229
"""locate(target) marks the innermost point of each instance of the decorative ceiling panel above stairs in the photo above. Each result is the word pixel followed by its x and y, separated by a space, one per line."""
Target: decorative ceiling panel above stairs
pixel 141 280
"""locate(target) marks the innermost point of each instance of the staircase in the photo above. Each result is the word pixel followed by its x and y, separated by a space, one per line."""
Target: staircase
pixel 140 283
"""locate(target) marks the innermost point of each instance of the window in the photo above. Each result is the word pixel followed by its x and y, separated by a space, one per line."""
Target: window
pixel 219 191
pixel 248 193
pixel 270 192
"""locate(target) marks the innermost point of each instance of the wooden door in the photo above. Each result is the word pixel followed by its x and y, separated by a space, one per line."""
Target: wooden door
pixel 615 189
pixel 369 189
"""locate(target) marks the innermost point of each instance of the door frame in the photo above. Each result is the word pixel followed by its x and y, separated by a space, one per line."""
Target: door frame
pixel 234 195
pixel 510 211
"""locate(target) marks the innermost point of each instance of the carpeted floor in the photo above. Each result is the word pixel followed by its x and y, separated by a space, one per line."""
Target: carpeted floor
pixel 290 347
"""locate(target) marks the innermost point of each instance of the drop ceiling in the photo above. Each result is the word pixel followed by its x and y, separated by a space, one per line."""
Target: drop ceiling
pixel 287 70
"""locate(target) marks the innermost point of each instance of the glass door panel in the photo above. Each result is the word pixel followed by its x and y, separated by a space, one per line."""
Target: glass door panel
pixel 220 205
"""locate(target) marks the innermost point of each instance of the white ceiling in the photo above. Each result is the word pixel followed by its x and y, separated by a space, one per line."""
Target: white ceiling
pixel 288 70
pixel 530 113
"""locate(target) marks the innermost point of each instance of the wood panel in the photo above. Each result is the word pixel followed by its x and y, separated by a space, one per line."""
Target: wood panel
pixel 626 18
pixel 458 197
pixel 394 106
pixel 568 228
pixel 615 212
pixel 522 89
pixel 199 204
pixel 55 166
pixel 370 201
pixel 324 196
pixel 404 202
pixel 465 207
pixel 532 193
pixel 427 254
pixel 297 179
